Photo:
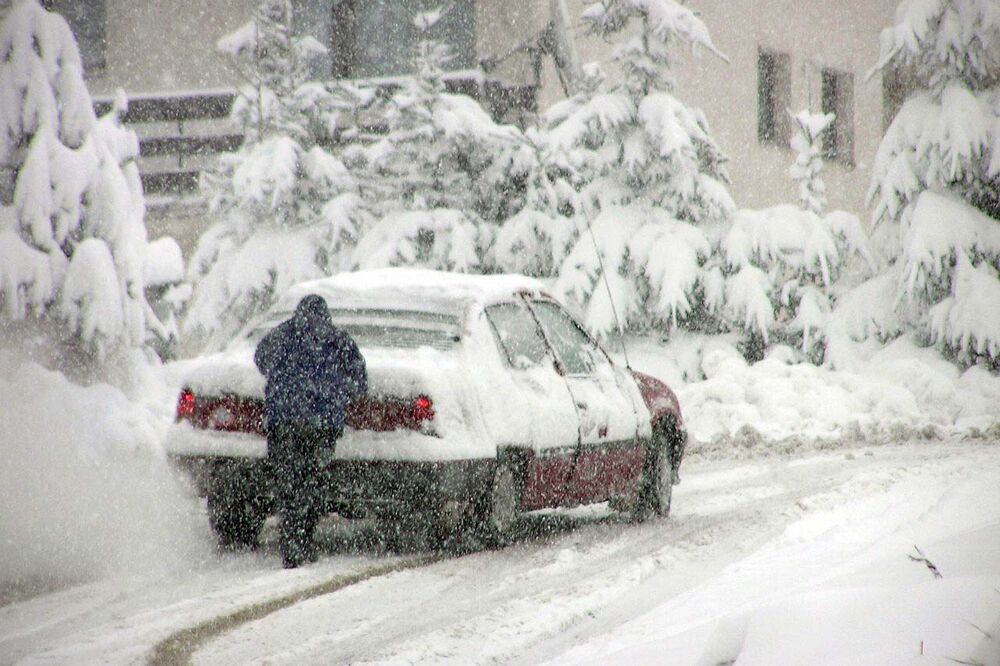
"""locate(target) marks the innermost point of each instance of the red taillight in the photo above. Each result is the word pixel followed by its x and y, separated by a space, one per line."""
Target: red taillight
pixel 185 405
pixel 423 409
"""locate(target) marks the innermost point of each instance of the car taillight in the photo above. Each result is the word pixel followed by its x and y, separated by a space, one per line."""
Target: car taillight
pixel 185 405
pixel 422 409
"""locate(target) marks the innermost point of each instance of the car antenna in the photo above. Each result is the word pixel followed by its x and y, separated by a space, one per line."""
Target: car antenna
pixel 607 286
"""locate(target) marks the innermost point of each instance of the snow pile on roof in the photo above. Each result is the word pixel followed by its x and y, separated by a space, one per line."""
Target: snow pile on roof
pixel 896 390
pixel 84 490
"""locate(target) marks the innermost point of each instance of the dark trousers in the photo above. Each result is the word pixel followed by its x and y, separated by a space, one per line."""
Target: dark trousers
pixel 292 453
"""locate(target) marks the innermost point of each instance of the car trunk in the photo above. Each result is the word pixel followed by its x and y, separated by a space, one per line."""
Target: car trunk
pixel 396 401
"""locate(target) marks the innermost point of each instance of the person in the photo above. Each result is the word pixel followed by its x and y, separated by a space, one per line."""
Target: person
pixel 312 370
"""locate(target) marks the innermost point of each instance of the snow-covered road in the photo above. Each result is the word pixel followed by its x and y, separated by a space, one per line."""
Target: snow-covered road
pixel 767 560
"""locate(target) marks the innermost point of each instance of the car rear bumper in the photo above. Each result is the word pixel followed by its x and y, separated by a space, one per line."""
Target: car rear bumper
pixel 395 489
pixel 359 488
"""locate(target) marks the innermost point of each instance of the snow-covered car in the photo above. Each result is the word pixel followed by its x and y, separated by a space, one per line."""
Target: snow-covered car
pixel 486 399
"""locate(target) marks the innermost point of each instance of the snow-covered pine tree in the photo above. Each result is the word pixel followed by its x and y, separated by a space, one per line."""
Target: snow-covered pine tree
pixel 806 142
pixel 655 183
pixel 428 172
pixel 287 209
pixel 936 176
pixel 72 235
pixel 536 238
pixel 782 262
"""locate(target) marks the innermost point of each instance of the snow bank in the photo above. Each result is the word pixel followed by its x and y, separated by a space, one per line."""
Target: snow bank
pixel 897 390
pixel 83 489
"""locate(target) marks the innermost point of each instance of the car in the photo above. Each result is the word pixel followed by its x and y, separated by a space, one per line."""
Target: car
pixel 486 399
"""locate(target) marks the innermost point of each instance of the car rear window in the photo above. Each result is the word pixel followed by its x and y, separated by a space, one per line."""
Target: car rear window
pixel 384 328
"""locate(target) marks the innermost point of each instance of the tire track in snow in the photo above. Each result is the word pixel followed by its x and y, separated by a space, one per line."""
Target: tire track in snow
pixel 562 577
pixel 177 649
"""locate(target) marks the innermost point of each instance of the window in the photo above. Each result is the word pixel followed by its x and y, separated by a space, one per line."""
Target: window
pixel 371 38
pixel 774 90
pixel 578 353
pixel 517 335
pixel 388 328
pixel 88 21
pixel 838 99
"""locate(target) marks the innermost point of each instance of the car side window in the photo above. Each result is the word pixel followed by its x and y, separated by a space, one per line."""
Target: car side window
pixel 578 353
pixel 517 335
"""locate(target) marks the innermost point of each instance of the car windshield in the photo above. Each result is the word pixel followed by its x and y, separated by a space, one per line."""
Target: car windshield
pixel 382 327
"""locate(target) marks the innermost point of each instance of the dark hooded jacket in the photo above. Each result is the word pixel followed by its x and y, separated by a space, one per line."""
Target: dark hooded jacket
pixel 313 369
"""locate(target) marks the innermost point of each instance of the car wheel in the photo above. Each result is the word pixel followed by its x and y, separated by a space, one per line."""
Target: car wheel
pixel 662 482
pixel 236 511
pixel 502 504
pixel 657 484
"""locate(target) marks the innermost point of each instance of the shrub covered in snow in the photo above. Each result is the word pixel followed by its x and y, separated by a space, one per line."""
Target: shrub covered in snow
pixel 72 236
pixel 653 179
pixel 782 264
pixel 936 176
pixel 435 160
pixel 287 209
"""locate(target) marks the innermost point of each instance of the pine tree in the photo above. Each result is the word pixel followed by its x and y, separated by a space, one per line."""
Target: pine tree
pixel 541 190
pixel 654 183
pixel 287 208
pixel 783 263
pixel 936 177
pixel 72 235
pixel 806 142
pixel 432 173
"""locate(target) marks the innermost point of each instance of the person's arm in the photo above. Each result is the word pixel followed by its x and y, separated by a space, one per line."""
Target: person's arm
pixel 353 366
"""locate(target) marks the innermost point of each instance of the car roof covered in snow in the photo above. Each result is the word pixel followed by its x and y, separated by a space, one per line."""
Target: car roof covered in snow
pixel 413 289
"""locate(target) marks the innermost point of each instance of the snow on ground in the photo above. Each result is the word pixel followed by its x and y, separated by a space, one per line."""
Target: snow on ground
pixel 775 560
pixel 836 585
pixel 804 562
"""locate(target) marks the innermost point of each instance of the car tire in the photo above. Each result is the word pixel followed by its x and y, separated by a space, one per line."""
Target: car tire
pixel 500 513
pixel 657 484
pixel 236 510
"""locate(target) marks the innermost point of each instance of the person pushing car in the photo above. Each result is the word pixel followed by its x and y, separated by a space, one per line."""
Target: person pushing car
pixel 313 369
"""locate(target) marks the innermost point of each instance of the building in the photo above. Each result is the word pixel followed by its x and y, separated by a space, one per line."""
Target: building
pixel 783 55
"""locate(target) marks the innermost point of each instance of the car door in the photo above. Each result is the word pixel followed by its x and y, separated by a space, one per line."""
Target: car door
pixel 542 404
pixel 610 458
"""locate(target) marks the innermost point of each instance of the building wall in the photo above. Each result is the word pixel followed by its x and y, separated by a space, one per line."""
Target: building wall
pixel 168 45
pixel 502 25
pixel 842 35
